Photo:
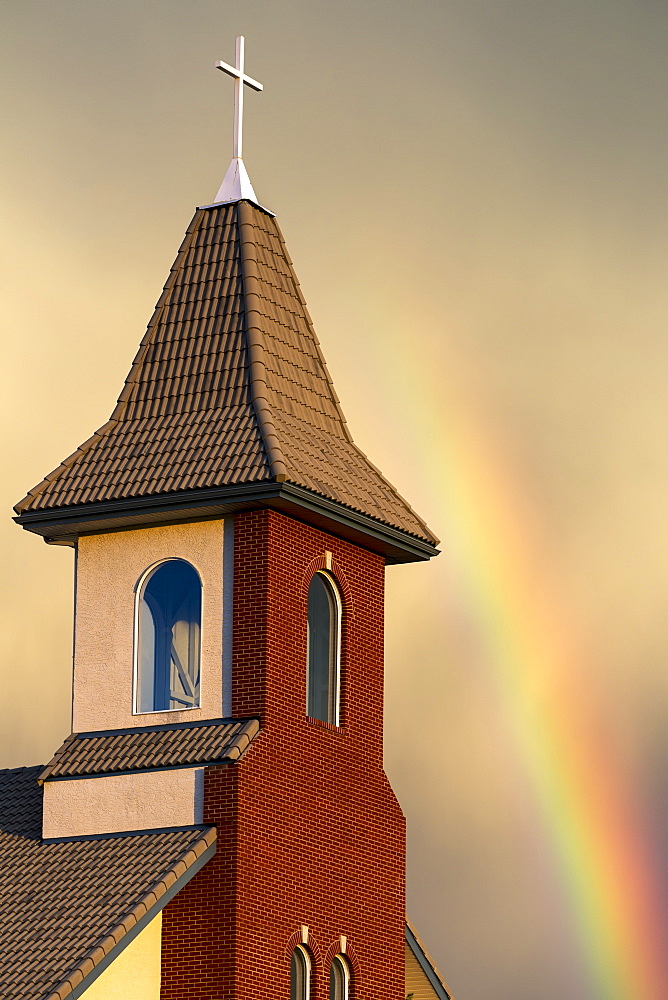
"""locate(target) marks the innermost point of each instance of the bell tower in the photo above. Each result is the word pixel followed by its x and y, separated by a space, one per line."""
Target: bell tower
pixel 231 545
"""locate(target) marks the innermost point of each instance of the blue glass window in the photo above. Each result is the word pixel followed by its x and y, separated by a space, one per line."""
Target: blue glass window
pixel 168 638
pixel 324 626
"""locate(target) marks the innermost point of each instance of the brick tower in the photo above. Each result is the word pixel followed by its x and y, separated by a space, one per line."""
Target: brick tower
pixel 231 544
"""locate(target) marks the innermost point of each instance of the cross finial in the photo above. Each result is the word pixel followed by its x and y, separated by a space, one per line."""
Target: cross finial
pixel 240 78
pixel 236 183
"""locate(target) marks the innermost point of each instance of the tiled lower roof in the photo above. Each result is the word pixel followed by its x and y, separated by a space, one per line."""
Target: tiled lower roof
pixel 66 905
pixel 152 747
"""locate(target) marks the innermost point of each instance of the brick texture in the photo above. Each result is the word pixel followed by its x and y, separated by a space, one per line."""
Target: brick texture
pixel 309 830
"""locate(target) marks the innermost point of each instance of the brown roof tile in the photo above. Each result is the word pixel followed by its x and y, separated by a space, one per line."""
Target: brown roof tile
pixel 65 905
pixel 229 387
pixel 152 747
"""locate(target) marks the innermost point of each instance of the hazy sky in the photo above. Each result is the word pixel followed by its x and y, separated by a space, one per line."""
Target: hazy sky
pixel 473 194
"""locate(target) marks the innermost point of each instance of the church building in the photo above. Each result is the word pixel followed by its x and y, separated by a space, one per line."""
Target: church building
pixel 218 825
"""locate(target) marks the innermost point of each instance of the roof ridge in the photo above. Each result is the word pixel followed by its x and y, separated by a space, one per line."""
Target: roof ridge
pixel 307 316
pixel 256 346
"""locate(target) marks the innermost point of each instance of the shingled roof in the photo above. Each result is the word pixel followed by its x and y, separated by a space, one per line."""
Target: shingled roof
pixel 68 907
pixel 145 749
pixel 229 388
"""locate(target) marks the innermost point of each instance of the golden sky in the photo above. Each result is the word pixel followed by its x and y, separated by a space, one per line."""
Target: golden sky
pixel 473 194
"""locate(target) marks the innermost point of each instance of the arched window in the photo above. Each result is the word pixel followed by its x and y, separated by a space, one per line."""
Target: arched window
pixel 339 979
pixel 300 974
pixel 323 656
pixel 169 614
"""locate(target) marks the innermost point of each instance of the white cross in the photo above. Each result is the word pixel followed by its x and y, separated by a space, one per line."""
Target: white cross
pixel 240 78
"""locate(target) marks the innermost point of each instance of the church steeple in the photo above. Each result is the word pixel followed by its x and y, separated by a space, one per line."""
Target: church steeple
pixel 228 403
pixel 222 791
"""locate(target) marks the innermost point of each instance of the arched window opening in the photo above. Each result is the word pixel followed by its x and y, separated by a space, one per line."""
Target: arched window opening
pixel 339 979
pixel 300 974
pixel 323 656
pixel 169 614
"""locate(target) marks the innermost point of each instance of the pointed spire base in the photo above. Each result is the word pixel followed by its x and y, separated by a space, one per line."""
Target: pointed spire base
pixel 236 184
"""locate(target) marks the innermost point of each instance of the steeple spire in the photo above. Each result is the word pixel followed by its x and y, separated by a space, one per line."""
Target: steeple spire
pixel 228 403
pixel 236 183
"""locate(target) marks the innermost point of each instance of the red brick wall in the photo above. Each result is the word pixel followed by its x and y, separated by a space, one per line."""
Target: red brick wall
pixel 309 829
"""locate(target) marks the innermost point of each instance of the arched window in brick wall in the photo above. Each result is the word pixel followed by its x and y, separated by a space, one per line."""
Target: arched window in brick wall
pixel 300 974
pixel 324 649
pixel 339 979
pixel 167 638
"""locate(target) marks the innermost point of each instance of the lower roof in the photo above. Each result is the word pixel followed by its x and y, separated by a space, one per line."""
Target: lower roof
pixel 68 907
pixel 146 748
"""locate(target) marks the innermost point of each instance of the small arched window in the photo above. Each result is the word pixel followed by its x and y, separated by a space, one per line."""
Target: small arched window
pixel 300 974
pixel 169 614
pixel 324 643
pixel 339 979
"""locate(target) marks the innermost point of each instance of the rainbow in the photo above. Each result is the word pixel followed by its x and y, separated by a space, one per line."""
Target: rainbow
pixel 597 844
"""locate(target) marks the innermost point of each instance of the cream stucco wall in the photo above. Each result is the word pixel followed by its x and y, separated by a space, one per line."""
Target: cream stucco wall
pixel 108 569
pixel 120 803
pixel 135 974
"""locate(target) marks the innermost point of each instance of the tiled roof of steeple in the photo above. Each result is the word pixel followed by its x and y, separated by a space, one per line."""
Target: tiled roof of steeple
pixel 229 387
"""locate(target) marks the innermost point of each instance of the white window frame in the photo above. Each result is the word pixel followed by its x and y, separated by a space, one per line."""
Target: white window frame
pixel 307 967
pixel 138 590
pixel 338 616
pixel 343 963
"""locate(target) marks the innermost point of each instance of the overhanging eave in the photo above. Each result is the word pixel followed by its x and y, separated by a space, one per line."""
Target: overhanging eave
pixel 65 524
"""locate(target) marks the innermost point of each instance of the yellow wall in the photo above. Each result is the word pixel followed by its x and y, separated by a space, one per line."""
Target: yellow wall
pixel 416 981
pixel 135 974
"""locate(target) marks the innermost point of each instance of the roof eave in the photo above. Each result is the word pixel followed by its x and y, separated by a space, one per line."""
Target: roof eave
pixel 426 963
pixel 63 525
